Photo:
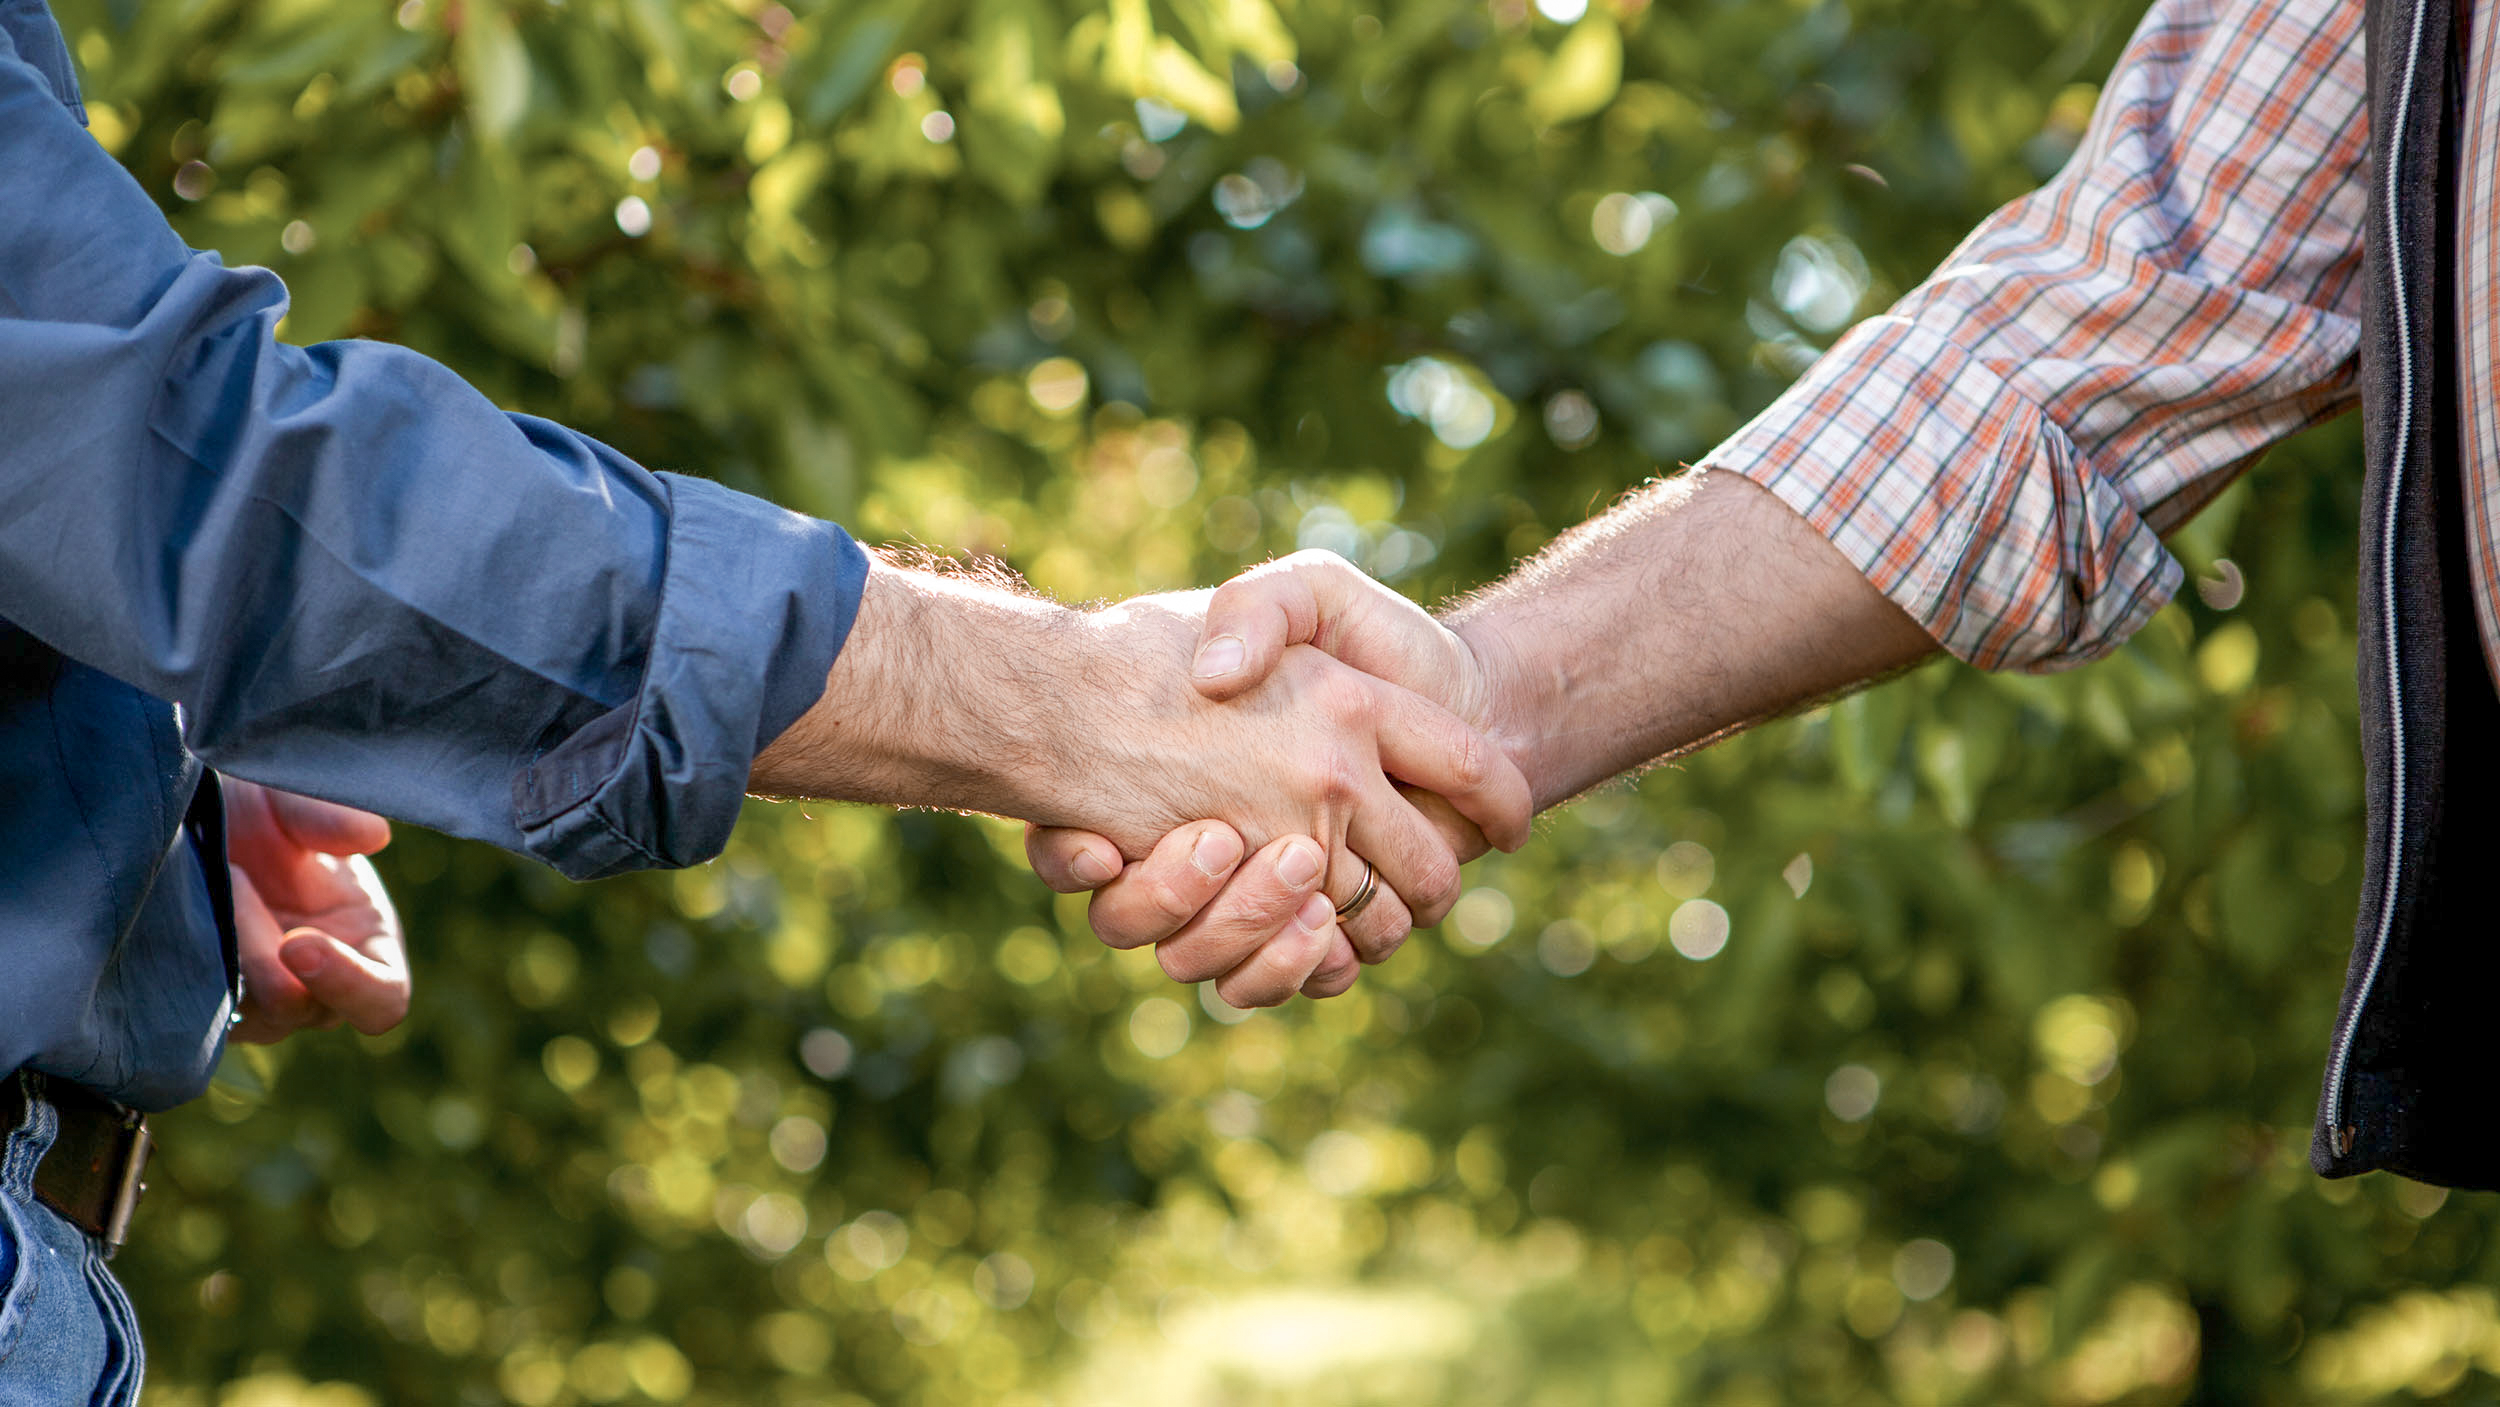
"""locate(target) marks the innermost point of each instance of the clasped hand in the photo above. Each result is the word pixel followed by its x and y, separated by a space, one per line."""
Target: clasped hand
pixel 1262 927
pixel 953 692
pixel 1325 769
pixel 317 938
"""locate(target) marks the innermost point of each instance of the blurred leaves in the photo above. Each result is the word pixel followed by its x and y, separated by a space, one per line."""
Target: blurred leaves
pixel 1951 1043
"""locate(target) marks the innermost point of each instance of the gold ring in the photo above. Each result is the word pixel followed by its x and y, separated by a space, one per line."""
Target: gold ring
pixel 1362 893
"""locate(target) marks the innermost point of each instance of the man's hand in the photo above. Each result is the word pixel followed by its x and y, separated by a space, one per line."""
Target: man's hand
pixel 1275 933
pixel 317 936
pixel 1199 918
pixel 1693 609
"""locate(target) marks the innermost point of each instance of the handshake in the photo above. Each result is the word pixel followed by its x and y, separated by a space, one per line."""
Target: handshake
pixel 1402 769
pixel 1275 781
pixel 1113 730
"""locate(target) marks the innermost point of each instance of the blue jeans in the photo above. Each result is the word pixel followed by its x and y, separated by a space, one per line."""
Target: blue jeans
pixel 66 1331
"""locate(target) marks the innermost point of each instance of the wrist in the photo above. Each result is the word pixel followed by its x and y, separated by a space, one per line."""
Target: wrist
pixel 950 693
pixel 1515 703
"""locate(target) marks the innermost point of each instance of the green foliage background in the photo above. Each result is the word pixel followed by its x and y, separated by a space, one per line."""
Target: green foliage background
pixel 1997 1092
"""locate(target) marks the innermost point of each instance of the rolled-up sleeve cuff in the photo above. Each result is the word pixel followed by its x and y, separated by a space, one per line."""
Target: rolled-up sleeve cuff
pixel 755 602
pixel 1959 498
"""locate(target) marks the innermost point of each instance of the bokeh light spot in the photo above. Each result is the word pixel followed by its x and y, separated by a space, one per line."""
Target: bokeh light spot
pixel 1698 929
pixel 1159 1027
pixel 1922 1268
pixel 1481 917
pixel 1057 385
pixel 1852 1092
pixel 826 1053
pixel 1566 947
pixel 1571 419
pixel 1624 221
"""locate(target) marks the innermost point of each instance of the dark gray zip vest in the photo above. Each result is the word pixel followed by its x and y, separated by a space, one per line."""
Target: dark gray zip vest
pixel 2404 1079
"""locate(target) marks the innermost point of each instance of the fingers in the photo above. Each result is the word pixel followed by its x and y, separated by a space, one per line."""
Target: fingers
pixel 1155 897
pixel 275 1004
pixel 1335 975
pixel 1416 866
pixel 1073 861
pixel 326 827
pixel 1276 969
pixel 1463 837
pixel 1425 746
pixel 304 978
pixel 1213 916
pixel 1379 928
pixel 370 993
pixel 1258 905
pixel 1319 598
pixel 253 839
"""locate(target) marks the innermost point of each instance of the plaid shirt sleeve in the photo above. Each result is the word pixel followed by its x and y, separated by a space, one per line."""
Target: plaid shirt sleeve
pixel 2000 452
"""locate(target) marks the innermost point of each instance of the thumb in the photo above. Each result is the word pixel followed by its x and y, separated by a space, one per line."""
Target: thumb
pixel 372 995
pixel 1319 598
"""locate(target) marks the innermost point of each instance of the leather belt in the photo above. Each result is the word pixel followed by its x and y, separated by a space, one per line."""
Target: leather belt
pixel 91 1175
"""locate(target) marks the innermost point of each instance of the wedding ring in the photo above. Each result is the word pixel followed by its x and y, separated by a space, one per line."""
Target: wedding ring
pixel 1362 893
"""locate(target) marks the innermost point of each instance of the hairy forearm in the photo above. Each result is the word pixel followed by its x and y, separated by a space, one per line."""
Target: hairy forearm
pixel 1694 608
pixel 950 692
pixel 972 696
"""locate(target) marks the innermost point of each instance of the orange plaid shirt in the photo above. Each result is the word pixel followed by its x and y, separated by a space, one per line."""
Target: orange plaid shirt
pixel 2000 452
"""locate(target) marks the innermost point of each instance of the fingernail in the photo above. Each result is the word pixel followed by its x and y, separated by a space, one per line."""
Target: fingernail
pixel 1219 657
pixel 1316 914
pixel 1216 853
pixel 1300 865
pixel 1091 867
pixel 307 958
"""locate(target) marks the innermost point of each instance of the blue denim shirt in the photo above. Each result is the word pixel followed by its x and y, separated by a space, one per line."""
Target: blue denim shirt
pixel 338 570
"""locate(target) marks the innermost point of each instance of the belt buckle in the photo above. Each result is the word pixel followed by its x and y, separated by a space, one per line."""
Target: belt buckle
pixel 131 1150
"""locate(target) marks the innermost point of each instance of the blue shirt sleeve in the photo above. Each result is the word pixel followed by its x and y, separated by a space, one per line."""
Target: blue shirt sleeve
pixel 354 574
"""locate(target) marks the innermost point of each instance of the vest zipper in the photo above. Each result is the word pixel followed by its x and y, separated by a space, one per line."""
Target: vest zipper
pixel 2347 1028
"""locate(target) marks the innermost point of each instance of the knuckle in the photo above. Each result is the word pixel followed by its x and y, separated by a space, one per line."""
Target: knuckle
pixel 1325 776
pixel 1114 928
pixel 1332 982
pixel 1340 780
pixel 1426 915
pixel 1471 760
pixel 1234 593
pixel 1383 943
pixel 1436 886
pixel 1183 964
pixel 1166 899
pixel 1240 994
pixel 1268 996
pixel 1349 698
pixel 1272 977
